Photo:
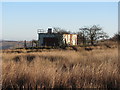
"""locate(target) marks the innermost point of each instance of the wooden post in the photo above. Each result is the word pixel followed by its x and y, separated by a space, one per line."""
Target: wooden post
pixel 25 45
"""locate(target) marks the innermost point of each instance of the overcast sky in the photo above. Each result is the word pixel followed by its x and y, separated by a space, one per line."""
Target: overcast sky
pixel 22 19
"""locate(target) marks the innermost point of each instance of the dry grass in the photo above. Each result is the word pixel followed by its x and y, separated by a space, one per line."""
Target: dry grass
pixel 61 69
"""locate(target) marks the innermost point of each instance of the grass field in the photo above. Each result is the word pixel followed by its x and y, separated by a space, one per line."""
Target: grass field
pixel 61 69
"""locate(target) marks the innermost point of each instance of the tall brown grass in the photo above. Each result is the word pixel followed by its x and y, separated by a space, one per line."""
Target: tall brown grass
pixel 61 69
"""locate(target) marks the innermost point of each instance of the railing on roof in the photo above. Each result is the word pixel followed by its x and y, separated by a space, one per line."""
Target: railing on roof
pixel 40 31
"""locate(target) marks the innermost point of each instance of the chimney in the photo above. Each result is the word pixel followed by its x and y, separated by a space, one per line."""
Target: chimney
pixel 49 30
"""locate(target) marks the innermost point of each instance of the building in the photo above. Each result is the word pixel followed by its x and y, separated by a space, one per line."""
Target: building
pixel 70 39
pixel 56 39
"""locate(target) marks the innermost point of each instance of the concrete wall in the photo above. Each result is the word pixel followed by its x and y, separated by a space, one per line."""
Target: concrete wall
pixel 41 36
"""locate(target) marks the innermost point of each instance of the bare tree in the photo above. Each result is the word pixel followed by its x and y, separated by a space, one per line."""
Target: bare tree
pixel 79 37
pixel 92 34
pixel 82 34
pixel 95 33
pixel 60 30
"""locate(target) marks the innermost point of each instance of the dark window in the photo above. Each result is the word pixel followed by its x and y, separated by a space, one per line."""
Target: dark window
pixel 50 41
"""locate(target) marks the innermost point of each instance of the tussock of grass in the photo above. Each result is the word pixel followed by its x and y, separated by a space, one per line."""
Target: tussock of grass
pixel 61 69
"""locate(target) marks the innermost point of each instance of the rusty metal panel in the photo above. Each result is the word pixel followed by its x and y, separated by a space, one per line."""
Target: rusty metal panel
pixel 74 39
pixel 71 39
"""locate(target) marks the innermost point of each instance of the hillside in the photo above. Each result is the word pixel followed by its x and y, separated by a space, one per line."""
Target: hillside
pixel 4 44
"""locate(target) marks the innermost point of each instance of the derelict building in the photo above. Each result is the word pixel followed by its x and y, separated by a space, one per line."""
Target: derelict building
pixel 56 39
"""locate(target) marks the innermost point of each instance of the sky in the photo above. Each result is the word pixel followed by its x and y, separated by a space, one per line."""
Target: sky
pixel 20 20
